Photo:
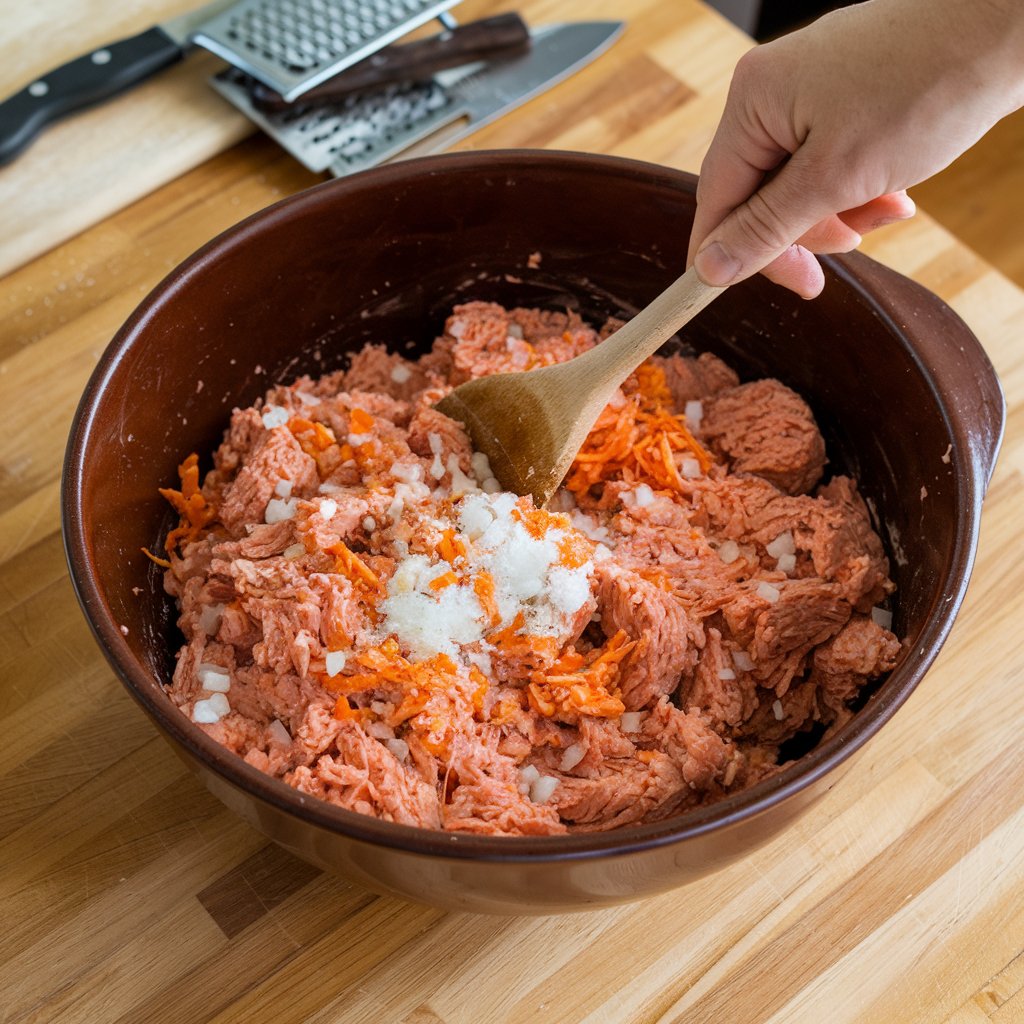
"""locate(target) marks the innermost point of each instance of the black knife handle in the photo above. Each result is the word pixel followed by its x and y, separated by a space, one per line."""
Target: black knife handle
pixel 80 83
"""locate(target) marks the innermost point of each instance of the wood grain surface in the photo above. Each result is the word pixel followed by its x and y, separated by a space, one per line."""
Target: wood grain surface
pixel 129 894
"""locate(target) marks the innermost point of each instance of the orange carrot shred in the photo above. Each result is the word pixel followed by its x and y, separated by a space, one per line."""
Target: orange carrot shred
pixel 162 562
pixel 445 580
pixel 483 587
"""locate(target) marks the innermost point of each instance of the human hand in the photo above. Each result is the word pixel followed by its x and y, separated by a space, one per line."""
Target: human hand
pixel 824 130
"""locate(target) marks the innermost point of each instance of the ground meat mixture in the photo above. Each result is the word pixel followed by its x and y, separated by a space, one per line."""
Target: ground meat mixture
pixel 368 617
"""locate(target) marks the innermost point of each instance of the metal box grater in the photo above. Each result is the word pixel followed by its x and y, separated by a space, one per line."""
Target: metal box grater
pixel 293 45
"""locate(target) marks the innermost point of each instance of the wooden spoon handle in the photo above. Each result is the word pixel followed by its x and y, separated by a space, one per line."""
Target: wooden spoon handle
pixel 622 352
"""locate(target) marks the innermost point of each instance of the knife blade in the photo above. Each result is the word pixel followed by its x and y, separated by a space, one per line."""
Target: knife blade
pixel 96 76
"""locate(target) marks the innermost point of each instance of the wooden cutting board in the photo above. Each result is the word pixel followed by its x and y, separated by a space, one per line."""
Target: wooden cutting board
pixel 129 894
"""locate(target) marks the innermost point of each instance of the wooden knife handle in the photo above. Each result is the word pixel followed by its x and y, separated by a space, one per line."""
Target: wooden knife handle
pixel 502 35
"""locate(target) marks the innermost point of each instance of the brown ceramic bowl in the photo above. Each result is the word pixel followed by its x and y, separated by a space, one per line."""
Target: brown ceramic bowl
pixel 895 379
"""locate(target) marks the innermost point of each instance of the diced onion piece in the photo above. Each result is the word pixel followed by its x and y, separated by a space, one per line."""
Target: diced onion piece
pixel 742 661
pixel 327 508
pixel 335 662
pixel 778 711
pixel 278 733
pixel 726 673
pixel 527 777
pixel 782 545
pixel 294 551
pixel 399 748
pixel 284 488
pixel 215 678
pixel 690 468
pixel 542 790
pixel 380 731
pixel 490 485
pixel 767 592
pixel 786 563
pixel 729 551
pixel 694 412
pixel 630 721
pixel 278 510
pixel 881 617
pixel 572 757
pixel 369 524
pixel 400 373
pixel 274 416
pixel 211 710
pixel 209 618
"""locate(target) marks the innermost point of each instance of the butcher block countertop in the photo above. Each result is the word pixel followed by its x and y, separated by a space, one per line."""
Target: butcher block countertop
pixel 128 893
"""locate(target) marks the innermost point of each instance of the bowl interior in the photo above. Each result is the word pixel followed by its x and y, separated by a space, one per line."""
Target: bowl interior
pixel 383 257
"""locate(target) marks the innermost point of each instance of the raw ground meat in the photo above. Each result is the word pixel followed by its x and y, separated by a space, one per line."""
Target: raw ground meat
pixel 367 617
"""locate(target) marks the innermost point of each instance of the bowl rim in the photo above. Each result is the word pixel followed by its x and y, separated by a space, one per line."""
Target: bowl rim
pixel 727 813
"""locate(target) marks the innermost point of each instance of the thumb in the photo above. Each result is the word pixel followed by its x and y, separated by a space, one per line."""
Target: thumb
pixel 763 227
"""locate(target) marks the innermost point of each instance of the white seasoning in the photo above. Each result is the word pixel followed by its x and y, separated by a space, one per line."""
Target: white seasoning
pixel 543 789
pixel 327 508
pixel 777 710
pixel 694 412
pixel 630 721
pixel 335 662
pixel 726 673
pixel 284 488
pixel 881 617
pixel 213 678
pixel 400 373
pixel 742 661
pixel 279 509
pixel 294 551
pixel 572 757
pixel 274 416
pixel 690 468
pixel 767 592
pixel 729 551
pixel 434 440
pixel 211 710
pixel 436 467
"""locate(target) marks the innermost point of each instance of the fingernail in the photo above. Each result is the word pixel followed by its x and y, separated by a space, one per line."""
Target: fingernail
pixel 715 266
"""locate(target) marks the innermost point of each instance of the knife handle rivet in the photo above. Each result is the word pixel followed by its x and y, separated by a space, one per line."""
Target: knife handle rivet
pixel 101 57
pixel 38 89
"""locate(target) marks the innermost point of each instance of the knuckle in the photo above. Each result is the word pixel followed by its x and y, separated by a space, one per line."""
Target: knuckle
pixel 760 221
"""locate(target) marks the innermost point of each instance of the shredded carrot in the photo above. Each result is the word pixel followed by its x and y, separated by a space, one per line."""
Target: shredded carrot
pixel 162 562
pixel 483 587
pixel 451 547
pixel 344 710
pixel 445 580
pixel 652 385
pixel 574 550
pixel 312 437
pixel 482 686
pixel 640 441
pixel 360 421
pixel 645 756
pixel 189 503
pixel 349 564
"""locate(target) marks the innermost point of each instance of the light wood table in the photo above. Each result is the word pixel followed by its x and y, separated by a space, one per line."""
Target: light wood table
pixel 127 893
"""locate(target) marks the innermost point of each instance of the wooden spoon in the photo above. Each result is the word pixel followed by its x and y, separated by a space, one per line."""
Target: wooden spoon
pixel 531 425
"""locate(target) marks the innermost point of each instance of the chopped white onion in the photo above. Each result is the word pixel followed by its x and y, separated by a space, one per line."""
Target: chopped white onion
pixel 572 757
pixel 767 592
pixel 278 510
pixel 726 673
pixel 369 524
pixel 630 721
pixel 380 731
pixel 400 373
pixel 277 732
pixel 777 710
pixel 284 488
pixel 399 748
pixel 211 710
pixel 527 777
pixel 274 416
pixel 215 678
pixel 742 661
pixel 881 617
pixel 327 508
pixel 782 545
pixel 294 551
pixel 786 563
pixel 542 790
pixel 209 618
pixel 335 662
pixel 690 468
pixel 694 412
pixel 729 551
